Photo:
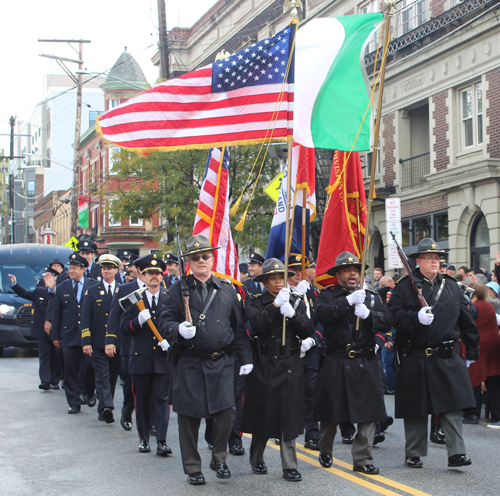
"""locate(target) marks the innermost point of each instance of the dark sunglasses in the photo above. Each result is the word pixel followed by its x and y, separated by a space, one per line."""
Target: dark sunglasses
pixel 196 258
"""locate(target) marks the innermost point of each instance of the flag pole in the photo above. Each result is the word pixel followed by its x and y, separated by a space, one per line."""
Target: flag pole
pixel 387 18
pixel 291 5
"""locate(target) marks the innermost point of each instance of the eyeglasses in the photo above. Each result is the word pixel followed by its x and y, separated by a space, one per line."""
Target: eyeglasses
pixel 430 258
pixel 196 258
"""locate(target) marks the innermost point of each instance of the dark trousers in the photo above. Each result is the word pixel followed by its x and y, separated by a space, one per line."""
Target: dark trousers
pixel 74 383
pixel 128 395
pixel 288 452
pixel 311 427
pixel 493 387
pixel 50 368
pixel 147 388
pixel 105 369
pixel 189 427
pixel 87 372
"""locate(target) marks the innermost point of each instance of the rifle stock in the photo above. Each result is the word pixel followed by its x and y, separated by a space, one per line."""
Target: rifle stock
pixel 415 284
pixel 184 281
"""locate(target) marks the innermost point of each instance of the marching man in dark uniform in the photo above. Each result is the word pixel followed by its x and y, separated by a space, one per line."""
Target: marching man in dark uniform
pixel 87 249
pixel 173 270
pixel 203 373
pixel 49 369
pixel 66 323
pixel 254 268
pixel 94 323
pixel 274 394
pixel 431 376
pixel 347 387
pixel 148 363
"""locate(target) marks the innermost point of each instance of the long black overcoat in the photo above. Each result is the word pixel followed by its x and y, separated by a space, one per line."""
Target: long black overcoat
pixel 274 393
pixel 426 385
pixel 348 389
pixel 202 386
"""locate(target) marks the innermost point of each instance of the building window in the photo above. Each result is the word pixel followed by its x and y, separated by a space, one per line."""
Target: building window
pixel 405 229
pixel 49 157
pixel 433 225
pixel 113 150
pixel 480 244
pixel 111 220
pixel 421 229
pixel 114 102
pixel 93 117
pixel 412 16
pixel 441 227
pixel 48 124
pixel 471 104
pixel 135 221
pixel 370 8
pixel 366 164
pixel 31 189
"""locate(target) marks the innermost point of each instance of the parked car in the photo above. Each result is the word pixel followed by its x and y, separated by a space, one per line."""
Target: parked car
pixel 27 262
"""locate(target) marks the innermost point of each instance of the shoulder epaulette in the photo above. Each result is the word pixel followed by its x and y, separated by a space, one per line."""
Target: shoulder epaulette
pixel 256 295
pixel 328 287
pixel 447 276
pixel 399 280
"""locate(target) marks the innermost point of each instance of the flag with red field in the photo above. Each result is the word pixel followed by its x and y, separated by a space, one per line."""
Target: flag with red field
pixel 245 98
pixel 344 220
pixel 212 215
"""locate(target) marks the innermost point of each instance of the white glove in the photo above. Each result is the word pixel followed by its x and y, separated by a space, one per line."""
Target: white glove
pixel 246 369
pixel 187 330
pixel 302 287
pixel 164 345
pixel 425 318
pixel 287 310
pixel 498 320
pixel 144 316
pixel 307 344
pixel 283 297
pixel 361 311
pixel 357 298
pixel 377 347
pixel 469 362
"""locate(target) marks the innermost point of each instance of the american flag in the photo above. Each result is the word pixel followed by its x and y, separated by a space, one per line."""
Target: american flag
pixel 212 214
pixel 242 99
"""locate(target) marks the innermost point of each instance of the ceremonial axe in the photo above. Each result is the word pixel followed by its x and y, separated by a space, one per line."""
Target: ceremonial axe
pixel 135 298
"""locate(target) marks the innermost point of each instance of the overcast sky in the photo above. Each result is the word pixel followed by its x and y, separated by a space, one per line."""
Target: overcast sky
pixel 109 24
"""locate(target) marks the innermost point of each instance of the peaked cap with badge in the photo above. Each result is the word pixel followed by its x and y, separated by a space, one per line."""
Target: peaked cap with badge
pixel 51 271
pixel 197 244
pixel 86 246
pixel 427 245
pixel 346 258
pixel 57 261
pixel 123 255
pixel 295 261
pixel 243 268
pixel 108 260
pixel 151 263
pixel 77 259
pixel 272 266
pixel 256 259
pixel 171 258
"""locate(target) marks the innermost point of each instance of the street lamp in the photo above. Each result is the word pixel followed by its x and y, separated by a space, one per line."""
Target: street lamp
pixel 89 73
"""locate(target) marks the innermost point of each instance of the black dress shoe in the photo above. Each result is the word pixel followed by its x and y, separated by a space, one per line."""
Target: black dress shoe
pixel 152 431
pixel 126 424
pixel 437 436
pixel 325 460
pixel 292 475
pixel 470 419
pixel 260 469
pixel 99 417
pixel 74 409
pixel 196 479
pixel 45 386
pixel 83 399
pixel 144 446
pixel 277 441
pixel 107 415
pixel 413 462
pixel 220 469
pixel 386 423
pixel 458 461
pixel 55 387
pixel 162 449
pixel 237 450
pixel 379 438
pixel 91 401
pixel 347 439
pixel 312 444
pixel 367 469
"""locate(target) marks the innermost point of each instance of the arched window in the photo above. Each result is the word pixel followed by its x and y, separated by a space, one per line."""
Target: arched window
pixel 480 244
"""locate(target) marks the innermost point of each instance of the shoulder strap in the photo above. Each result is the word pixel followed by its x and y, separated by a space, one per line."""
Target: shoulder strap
pixel 202 316
pixel 438 293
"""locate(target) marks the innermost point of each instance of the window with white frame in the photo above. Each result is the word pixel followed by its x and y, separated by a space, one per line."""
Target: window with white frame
pixel 135 221
pixel 413 15
pixel 113 150
pixel 366 164
pixel 111 220
pixel 471 107
pixel 370 8
pixel 114 102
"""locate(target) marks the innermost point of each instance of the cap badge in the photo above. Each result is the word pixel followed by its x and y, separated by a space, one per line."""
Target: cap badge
pixel 350 259
pixel 86 243
pixel 297 257
pixel 153 262
pixel 276 266
pixel 197 245
pixel 434 246
pixel 73 256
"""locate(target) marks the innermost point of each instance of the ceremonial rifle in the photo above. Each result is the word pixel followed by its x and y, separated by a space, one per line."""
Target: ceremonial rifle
pixel 184 281
pixel 415 283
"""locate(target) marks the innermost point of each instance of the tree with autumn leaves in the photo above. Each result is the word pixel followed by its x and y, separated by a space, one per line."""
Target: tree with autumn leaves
pixel 168 184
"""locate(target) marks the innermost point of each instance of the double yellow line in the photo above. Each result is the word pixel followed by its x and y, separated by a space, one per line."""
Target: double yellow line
pixel 311 457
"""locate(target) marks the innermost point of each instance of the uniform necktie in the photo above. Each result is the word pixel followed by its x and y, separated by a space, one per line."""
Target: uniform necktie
pixel 204 292
pixel 153 304
pixel 110 293
pixel 75 287
pixel 87 273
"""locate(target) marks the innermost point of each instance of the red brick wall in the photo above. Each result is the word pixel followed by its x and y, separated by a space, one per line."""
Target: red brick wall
pixel 424 206
pixel 437 7
pixel 493 112
pixel 440 129
pixel 389 146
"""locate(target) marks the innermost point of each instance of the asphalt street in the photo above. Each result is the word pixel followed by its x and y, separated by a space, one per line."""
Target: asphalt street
pixel 45 451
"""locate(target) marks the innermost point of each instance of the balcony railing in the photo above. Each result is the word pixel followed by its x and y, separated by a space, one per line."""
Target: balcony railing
pixel 414 170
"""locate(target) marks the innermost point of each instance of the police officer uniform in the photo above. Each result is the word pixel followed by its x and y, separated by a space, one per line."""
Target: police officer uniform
pixel 124 257
pixel 49 366
pixel 148 364
pixel 431 375
pixel 93 271
pixel 95 312
pixel 253 287
pixel 348 387
pixel 202 377
pixel 169 280
pixel 66 323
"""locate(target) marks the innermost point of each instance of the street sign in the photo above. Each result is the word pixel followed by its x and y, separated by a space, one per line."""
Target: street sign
pixel 393 224
pixel 273 188
pixel 72 242
pixel 48 231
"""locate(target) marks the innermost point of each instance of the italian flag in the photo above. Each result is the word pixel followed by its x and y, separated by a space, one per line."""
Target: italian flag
pixel 332 90
pixel 83 212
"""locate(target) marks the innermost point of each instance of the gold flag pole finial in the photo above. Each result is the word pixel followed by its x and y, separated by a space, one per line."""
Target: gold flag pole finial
pixel 292 5
pixel 223 54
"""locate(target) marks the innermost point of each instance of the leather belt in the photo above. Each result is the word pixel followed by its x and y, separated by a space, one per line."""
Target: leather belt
pixel 352 353
pixel 210 356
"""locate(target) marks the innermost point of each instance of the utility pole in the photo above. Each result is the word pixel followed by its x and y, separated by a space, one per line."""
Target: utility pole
pixel 5 208
pixel 78 125
pixel 162 21
pixel 12 123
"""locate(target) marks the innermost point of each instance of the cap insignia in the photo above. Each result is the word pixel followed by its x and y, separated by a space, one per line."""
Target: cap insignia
pixel 73 256
pixel 276 266
pixel 197 245
pixel 297 257
pixel 86 243
pixel 153 262
pixel 350 259
pixel 434 246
